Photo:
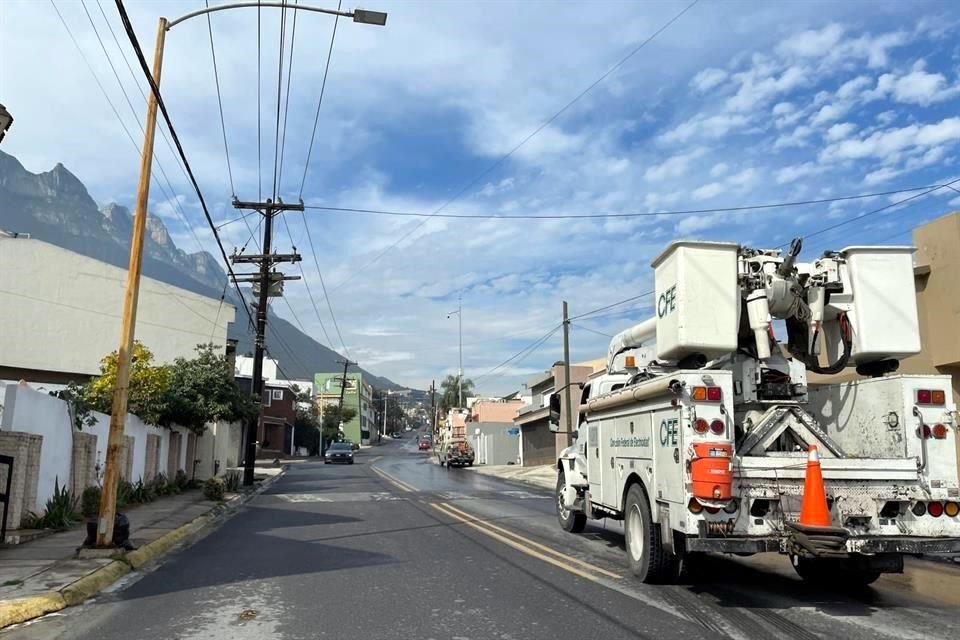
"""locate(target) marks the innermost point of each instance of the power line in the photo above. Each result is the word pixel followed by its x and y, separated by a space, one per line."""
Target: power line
pixel 639 214
pixel 323 285
pixel 259 116
pixel 216 78
pixel 523 353
pixel 313 302
pixel 132 36
pixel 586 328
pixel 611 305
pixel 174 204
pixel 276 139
pixel 544 125
pixel 323 86
pixel 286 107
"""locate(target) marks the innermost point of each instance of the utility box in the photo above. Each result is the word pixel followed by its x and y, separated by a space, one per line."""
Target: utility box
pixel 884 314
pixel 697 299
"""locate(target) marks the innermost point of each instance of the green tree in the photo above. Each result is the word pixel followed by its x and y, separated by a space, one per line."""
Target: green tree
pixel 450 391
pixel 332 417
pixel 148 389
pixel 307 431
pixel 202 390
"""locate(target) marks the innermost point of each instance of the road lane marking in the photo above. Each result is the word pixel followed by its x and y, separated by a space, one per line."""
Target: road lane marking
pixel 355 496
pixel 536 545
pixel 400 484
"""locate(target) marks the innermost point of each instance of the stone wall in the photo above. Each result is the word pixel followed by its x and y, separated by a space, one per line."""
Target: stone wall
pixel 25 450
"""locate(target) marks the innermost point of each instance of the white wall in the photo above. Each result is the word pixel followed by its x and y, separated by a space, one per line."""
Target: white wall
pixel 34 412
pixel 60 311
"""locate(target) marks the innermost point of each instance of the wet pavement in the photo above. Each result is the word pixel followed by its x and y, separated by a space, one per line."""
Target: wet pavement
pixel 396 546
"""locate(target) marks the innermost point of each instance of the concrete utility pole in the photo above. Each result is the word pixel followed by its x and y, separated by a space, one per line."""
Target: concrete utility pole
pixel 385 415
pixel 267 283
pixel 433 407
pixel 118 411
pixel 459 314
pixel 346 362
pixel 566 371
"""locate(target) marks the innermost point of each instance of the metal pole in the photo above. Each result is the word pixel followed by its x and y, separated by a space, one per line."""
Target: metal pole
pixel 384 415
pixel 250 448
pixel 460 346
pixel 111 474
pixel 566 372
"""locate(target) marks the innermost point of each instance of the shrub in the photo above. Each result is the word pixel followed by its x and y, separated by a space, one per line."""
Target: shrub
pixel 125 495
pixel 232 480
pixel 90 502
pixel 213 489
pixel 60 512
pixel 161 486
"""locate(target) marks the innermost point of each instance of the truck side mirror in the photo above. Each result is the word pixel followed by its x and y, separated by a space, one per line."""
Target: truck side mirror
pixel 555 412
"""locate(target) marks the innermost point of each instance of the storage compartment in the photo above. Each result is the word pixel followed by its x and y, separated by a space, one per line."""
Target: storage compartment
pixel 697 300
pixel 884 316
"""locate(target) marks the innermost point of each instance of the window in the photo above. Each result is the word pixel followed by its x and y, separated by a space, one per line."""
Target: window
pixel 278 394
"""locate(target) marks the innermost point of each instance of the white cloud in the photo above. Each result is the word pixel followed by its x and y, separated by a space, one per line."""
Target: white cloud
pixel 886 117
pixel 850 89
pixel 708 79
pixel 883 174
pixel 796 138
pixel 719 169
pixel 756 87
pixel 812 43
pixel 891 141
pixel 709 190
pixel 715 126
pixel 829 113
pixel 793 173
pixel 674 166
pixel 840 131
pixel 916 87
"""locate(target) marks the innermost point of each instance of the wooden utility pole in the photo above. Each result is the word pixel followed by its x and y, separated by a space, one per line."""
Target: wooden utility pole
pixel 566 372
pixel 118 411
pixel 433 407
pixel 346 362
pixel 270 283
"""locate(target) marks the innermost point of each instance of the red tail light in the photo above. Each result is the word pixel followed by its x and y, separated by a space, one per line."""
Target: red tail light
pixel 931 396
pixel 935 509
pixel 701 426
pixel 924 431
pixel 923 396
pixel 718 427
pixel 939 431
pixel 714 394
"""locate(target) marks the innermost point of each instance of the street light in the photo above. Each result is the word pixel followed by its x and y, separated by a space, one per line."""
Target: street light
pixel 459 314
pixel 5 121
pixel 131 293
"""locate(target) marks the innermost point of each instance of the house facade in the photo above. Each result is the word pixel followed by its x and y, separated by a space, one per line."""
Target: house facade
pixel 357 395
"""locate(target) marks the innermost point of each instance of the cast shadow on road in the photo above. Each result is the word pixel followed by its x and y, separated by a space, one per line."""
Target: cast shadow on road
pixel 247 548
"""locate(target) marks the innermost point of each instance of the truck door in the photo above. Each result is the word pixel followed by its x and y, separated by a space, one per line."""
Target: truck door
pixel 668 455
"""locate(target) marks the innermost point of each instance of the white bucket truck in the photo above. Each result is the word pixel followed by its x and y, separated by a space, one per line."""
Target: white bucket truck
pixel 697 433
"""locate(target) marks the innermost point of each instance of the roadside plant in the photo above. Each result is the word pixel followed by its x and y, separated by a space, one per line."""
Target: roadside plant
pixel 181 481
pixel 125 495
pixel 213 489
pixel 231 481
pixel 60 511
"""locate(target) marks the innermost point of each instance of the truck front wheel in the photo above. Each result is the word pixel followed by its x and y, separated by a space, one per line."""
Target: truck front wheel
pixel 645 553
pixel 572 521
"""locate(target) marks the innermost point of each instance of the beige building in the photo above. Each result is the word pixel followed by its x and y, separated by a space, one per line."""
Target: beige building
pixel 60 314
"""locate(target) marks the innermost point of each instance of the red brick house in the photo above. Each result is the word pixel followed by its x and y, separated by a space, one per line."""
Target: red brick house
pixel 275 431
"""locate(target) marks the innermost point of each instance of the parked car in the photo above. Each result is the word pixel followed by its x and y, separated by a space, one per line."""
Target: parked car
pixel 339 452
pixel 395 435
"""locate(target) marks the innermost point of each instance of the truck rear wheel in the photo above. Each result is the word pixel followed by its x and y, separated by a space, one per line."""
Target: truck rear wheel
pixel 572 521
pixel 645 553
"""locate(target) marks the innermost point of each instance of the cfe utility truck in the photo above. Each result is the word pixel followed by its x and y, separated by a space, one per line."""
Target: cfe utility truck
pixel 697 434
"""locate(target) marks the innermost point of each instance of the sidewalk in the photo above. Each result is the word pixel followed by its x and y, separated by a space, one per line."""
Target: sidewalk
pixel 46 574
pixel 543 476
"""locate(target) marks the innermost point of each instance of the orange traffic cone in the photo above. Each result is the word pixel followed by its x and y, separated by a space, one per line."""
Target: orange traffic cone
pixel 813 509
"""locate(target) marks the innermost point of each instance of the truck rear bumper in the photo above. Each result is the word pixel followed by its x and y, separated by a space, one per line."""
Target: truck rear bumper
pixel 886 544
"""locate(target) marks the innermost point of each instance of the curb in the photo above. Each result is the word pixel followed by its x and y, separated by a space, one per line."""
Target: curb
pixel 20 610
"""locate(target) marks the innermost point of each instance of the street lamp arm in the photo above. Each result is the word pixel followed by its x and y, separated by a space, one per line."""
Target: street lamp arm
pixel 239 5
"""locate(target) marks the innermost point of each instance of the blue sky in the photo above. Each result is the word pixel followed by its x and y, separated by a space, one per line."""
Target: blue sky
pixel 736 103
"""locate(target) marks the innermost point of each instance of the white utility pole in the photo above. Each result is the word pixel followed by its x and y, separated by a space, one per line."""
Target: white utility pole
pixel 459 314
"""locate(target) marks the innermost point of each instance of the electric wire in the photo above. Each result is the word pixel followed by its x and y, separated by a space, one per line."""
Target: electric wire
pixel 216 79
pixel 276 139
pixel 286 107
pixel 530 136
pixel 323 86
pixel 522 354
pixel 323 285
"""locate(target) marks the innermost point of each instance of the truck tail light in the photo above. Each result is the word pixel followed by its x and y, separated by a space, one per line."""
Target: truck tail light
pixel 939 431
pixel 935 509
pixel 931 396
pixel 919 509
pixel 923 431
pixel 694 506
pixel 951 509
pixel 701 426
pixel 732 506
pixel 706 394
pixel 717 427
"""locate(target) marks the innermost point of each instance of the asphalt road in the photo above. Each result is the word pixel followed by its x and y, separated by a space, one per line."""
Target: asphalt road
pixel 395 546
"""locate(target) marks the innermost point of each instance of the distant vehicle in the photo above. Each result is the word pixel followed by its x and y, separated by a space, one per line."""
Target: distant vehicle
pixel 424 445
pixel 341 452
pixel 455 453
pixel 395 435
pixel 408 428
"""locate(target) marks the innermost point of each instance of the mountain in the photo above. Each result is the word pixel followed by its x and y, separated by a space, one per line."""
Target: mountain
pixel 55 207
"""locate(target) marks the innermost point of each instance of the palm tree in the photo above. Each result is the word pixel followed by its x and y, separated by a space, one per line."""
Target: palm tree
pixel 450 391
